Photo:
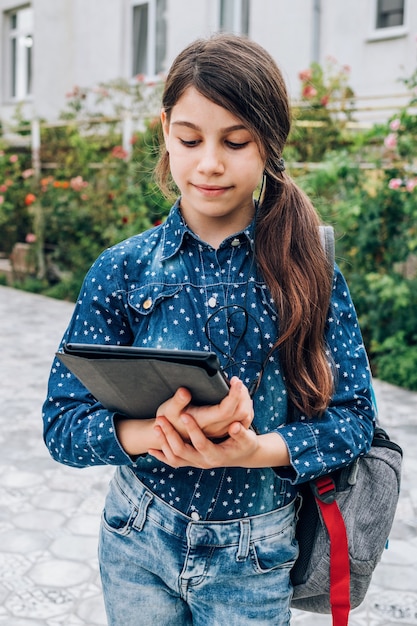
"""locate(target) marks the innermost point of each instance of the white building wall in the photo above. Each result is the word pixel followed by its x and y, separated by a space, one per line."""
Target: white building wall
pixel 77 43
pixel 284 28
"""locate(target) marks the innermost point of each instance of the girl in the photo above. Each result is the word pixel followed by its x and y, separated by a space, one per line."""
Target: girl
pixel 197 527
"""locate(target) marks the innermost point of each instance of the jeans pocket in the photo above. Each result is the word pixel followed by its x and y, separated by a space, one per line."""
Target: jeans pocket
pixel 274 551
pixel 119 512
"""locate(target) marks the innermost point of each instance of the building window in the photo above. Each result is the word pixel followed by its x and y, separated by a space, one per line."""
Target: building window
pixel 149 37
pixel 19 53
pixel 389 13
pixel 234 16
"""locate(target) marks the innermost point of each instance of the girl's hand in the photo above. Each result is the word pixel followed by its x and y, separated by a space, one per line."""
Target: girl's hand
pixel 174 450
pixel 214 420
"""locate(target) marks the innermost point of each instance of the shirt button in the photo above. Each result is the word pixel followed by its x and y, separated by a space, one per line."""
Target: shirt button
pixel 195 516
pixel 212 302
pixel 147 304
pixel 235 242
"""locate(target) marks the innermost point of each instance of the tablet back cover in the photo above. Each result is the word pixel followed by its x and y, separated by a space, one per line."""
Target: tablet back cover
pixel 136 388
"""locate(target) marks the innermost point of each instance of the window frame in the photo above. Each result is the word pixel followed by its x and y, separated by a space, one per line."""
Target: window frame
pixel 152 71
pixel 18 65
pixel 389 32
pixel 237 18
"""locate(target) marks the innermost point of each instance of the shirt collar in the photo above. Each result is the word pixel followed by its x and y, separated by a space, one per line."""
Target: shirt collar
pixel 175 232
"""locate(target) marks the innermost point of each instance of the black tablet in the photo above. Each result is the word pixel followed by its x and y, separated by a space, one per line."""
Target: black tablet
pixel 135 381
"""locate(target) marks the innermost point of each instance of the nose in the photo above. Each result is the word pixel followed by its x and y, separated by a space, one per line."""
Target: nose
pixel 210 161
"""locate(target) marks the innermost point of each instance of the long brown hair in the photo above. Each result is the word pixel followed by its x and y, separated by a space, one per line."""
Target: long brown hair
pixel 239 75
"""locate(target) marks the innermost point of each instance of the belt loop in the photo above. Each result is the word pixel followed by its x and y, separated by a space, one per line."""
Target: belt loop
pixel 142 510
pixel 244 540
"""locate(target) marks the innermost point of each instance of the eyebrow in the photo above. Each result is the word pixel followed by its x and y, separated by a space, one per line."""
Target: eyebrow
pixel 228 129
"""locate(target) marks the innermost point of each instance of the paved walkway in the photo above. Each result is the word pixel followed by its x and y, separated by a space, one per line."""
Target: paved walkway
pixel 49 514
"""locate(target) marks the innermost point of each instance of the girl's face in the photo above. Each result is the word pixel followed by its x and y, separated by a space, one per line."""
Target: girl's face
pixel 216 164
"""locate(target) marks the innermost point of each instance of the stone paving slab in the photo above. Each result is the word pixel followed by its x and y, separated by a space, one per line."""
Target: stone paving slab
pixel 50 514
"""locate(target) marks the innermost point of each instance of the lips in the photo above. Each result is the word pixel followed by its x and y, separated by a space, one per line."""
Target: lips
pixel 211 190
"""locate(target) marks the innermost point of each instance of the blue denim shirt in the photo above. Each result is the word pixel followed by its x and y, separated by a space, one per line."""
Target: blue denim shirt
pixel 167 288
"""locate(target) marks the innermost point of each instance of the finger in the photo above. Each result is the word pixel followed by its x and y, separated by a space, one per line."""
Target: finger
pixel 231 402
pixel 174 451
pixel 171 440
pixel 179 401
pixel 199 441
pixel 240 404
pixel 165 454
pixel 240 434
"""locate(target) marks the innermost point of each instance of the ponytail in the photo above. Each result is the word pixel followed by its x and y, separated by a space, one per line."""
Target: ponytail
pixel 294 266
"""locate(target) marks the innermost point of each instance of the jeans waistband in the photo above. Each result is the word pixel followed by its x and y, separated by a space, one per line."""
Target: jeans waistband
pixel 201 532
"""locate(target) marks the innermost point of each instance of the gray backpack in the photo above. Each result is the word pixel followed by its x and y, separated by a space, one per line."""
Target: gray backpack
pixel 343 526
pixel 344 520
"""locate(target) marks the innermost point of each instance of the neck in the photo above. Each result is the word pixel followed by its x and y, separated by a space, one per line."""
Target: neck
pixel 214 230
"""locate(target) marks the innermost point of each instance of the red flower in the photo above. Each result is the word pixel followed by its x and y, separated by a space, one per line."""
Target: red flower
pixel 30 199
pixel 119 152
pixel 309 91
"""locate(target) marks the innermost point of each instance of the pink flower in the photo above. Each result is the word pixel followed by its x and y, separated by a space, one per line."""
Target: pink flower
pixel 395 124
pixel 14 158
pixel 1 153
pixel 390 141
pixel 78 184
pixel 1 199
pixel 101 91
pixel 411 184
pixel 27 173
pixel 30 238
pixel 309 92
pixel 3 188
pixel 305 75
pixel 395 183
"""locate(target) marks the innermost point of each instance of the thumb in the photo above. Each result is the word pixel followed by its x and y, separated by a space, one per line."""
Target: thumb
pixel 236 430
pixel 182 398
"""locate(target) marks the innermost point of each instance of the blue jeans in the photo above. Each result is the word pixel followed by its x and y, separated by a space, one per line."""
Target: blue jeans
pixel 162 568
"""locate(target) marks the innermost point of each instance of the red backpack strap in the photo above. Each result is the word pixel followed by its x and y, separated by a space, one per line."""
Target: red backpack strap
pixel 324 490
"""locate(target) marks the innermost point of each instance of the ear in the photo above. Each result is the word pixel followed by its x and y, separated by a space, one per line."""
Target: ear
pixel 165 126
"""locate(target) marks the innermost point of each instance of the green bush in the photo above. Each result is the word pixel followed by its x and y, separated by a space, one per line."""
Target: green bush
pixel 15 218
pixel 374 212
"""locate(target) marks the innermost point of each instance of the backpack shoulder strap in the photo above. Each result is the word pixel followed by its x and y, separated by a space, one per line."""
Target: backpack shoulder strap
pixel 327 240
